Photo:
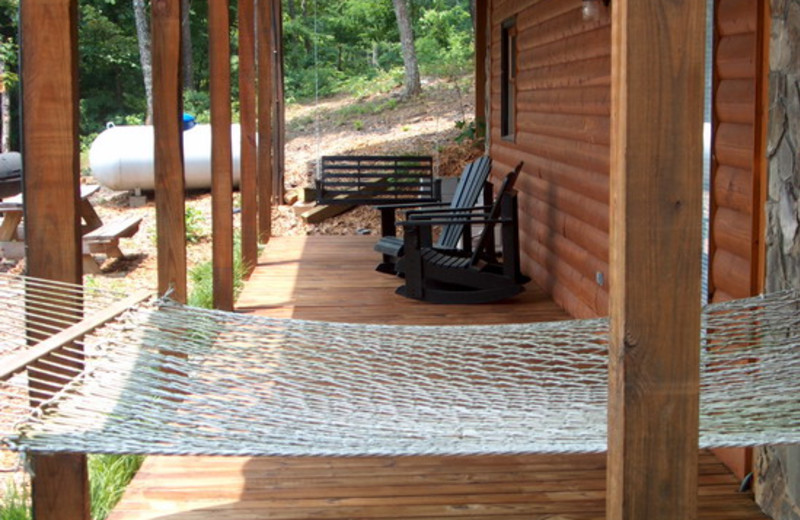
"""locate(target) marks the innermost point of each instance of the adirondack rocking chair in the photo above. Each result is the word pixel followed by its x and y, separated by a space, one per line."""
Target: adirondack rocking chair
pixel 454 237
pixel 443 277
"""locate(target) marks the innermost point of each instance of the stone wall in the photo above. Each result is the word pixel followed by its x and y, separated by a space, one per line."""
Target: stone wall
pixel 778 468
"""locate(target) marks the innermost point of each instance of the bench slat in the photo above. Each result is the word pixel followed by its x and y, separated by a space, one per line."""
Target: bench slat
pixel 124 227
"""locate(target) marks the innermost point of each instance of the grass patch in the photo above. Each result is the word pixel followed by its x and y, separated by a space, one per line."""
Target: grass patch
pixel 109 475
pixel 16 504
pixel 201 277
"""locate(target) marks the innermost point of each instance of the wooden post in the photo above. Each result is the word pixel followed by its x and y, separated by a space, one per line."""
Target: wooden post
pixel 247 118
pixel 221 154
pixel 168 134
pixel 656 206
pixel 265 105
pixel 279 133
pixel 53 238
pixel 481 38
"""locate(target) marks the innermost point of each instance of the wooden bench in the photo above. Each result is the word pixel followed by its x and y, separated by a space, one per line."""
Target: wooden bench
pixel 105 240
pixel 373 179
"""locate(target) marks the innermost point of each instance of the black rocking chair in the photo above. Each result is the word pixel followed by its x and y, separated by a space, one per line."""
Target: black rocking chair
pixel 444 277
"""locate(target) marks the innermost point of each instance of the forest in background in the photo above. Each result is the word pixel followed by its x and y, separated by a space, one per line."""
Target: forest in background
pixel 330 47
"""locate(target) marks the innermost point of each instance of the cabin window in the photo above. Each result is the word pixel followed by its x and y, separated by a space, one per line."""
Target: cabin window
pixel 508 81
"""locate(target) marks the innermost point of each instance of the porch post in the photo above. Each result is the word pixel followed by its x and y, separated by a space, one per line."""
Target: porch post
pixel 247 119
pixel 168 134
pixel 53 239
pixel 656 205
pixel 264 43
pixel 221 153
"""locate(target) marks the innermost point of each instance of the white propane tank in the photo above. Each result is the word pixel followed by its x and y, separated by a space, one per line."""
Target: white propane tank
pixel 121 157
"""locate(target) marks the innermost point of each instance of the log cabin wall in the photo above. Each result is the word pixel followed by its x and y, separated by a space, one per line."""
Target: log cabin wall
pixel 737 169
pixel 561 131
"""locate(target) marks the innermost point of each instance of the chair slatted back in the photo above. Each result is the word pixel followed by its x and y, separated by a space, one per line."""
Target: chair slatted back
pixel 505 188
pixel 469 188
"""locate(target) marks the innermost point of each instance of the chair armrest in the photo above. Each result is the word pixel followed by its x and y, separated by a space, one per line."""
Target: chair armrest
pixel 405 205
pixel 428 213
pixel 482 218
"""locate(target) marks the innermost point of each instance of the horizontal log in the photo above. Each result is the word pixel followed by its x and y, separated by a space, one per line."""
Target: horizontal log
pixel 735 101
pixel 573 46
pixel 591 73
pixel 584 289
pixel 737 17
pixel 577 257
pixel 562 295
pixel 731 273
pixel 536 33
pixel 579 100
pixel 583 234
pixel 734 145
pixel 584 209
pixel 736 57
pixel 732 231
pixel 733 188
pixel 585 128
pixel 591 184
pixel 583 155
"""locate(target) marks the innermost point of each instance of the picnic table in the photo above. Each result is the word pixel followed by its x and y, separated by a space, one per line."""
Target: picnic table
pixel 98 238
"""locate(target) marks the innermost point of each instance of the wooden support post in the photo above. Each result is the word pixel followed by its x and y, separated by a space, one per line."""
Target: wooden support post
pixel 52 211
pixel 279 132
pixel 221 153
pixel 265 105
pixel 247 118
pixel 481 39
pixel 168 134
pixel 656 196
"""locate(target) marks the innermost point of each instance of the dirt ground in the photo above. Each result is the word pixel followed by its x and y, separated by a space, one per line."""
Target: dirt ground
pixel 425 125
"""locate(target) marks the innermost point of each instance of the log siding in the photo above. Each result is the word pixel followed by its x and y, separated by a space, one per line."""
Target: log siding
pixel 562 133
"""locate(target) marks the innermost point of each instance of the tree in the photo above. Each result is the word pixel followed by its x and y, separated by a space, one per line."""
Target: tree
pixel 412 82
pixel 187 52
pixel 145 58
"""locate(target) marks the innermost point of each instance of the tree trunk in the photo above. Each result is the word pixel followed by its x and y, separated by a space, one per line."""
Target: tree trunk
pixel 5 107
pixel 187 56
pixel 412 83
pixel 143 36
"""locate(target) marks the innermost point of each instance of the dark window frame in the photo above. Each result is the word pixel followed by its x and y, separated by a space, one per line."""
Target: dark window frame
pixel 508 79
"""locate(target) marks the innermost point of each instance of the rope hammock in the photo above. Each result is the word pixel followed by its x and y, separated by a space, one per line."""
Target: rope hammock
pixel 164 378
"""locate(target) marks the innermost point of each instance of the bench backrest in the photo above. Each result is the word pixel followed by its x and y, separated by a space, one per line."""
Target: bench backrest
pixel 371 179
pixel 469 188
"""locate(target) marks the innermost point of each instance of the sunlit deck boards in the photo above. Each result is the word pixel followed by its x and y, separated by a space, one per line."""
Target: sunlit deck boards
pixel 332 278
pixel 493 487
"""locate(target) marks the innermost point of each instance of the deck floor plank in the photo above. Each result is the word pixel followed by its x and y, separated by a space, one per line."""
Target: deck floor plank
pixel 332 279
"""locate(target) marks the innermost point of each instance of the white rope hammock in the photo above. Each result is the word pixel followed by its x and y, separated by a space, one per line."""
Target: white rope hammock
pixel 170 379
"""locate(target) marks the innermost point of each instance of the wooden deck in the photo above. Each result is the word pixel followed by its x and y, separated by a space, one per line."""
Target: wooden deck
pixel 332 278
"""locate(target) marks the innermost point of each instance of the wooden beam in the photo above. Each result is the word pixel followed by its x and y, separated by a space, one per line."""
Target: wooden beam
pixel 247 119
pixel 49 46
pixel 481 40
pixel 265 105
pixel 168 135
pixel 279 119
pixel 221 153
pixel 656 195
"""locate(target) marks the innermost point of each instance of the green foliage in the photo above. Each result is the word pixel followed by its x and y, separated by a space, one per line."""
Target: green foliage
pixel 444 41
pixel 109 475
pixel 16 504
pixel 201 278
pixel 195 225
pixel 470 131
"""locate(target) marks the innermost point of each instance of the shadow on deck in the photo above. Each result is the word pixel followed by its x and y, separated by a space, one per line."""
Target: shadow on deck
pixel 332 279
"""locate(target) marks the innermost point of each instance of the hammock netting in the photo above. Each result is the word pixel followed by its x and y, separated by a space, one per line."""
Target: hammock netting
pixel 170 379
